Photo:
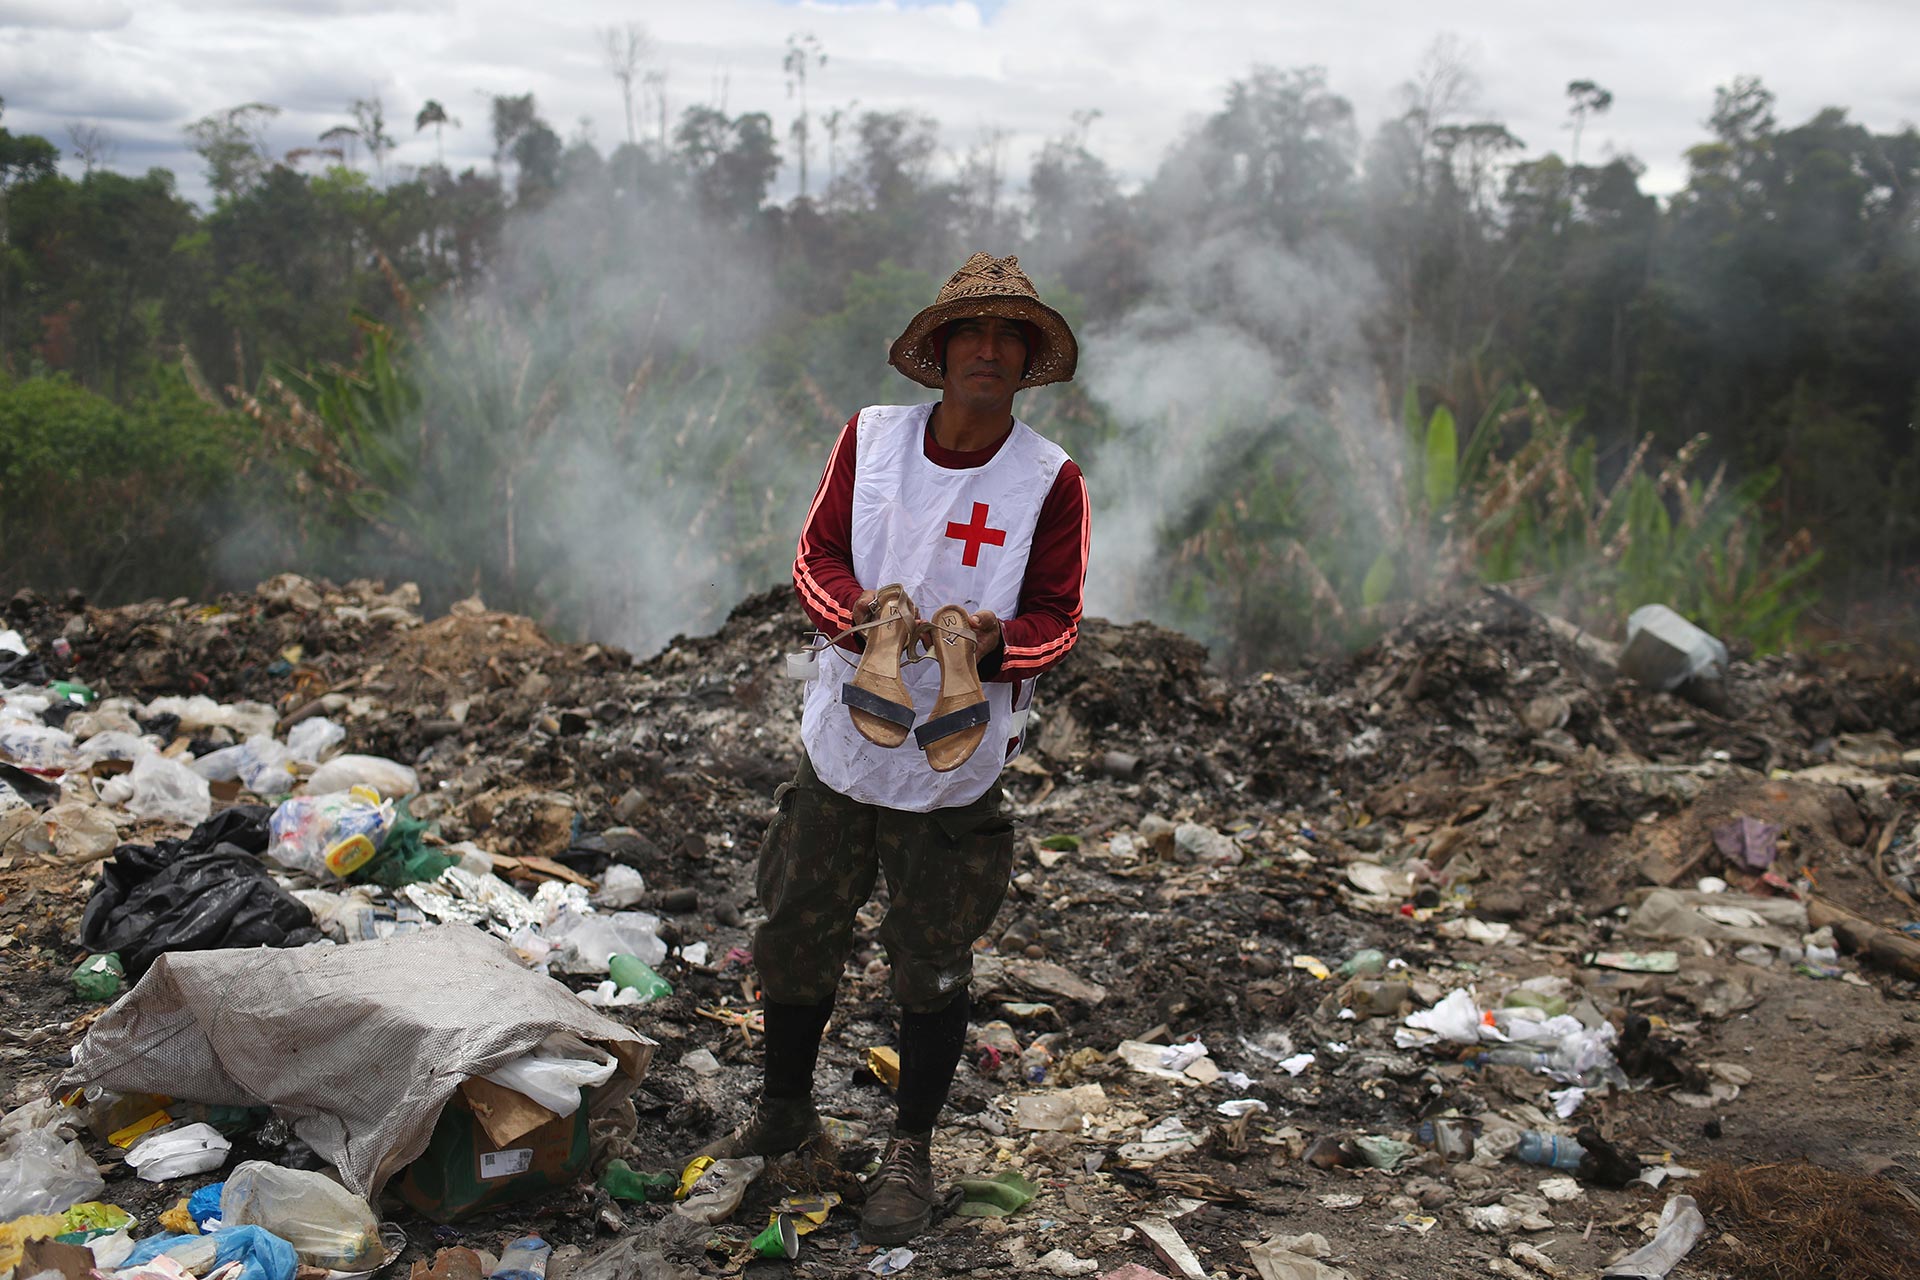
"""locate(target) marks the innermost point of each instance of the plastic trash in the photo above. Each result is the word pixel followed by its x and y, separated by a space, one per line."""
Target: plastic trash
pixel 524 1259
pixel 623 1182
pixel 621 886
pixel 1204 844
pixel 996 1197
pixel 204 892
pixel 630 973
pixel 113 744
pixel 1680 1228
pixel 243 719
pixel 312 738
pixel 222 765
pixel 554 1074
pixel 99 977
pixel 176 1153
pixel 718 1190
pixel 1456 1018
pixel 203 1206
pixel 384 777
pixel 266 767
pixel 1664 650
pixel 82 832
pixel 329 836
pixel 43 1170
pixel 327 1225
pixel 593 940
pixel 35 746
pixel 167 790
pixel 1549 1150
pixel 261 1254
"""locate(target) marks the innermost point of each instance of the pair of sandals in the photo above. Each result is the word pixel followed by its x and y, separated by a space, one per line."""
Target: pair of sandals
pixel 878 700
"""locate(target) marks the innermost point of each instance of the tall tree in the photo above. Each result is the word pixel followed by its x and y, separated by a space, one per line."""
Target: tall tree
pixel 436 115
pixel 233 143
pixel 804 55
pixel 625 49
pixel 1584 98
pixel 370 122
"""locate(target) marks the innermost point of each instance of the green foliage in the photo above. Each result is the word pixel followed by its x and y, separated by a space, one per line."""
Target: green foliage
pixel 110 498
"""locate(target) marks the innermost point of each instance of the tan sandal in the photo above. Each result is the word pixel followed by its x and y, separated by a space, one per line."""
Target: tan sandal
pixel 959 719
pixel 877 698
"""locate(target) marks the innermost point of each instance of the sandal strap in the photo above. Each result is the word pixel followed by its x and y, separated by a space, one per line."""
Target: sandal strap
pixel 874 705
pixel 951 723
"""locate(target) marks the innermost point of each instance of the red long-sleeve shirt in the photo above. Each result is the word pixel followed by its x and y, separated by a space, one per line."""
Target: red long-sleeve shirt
pixel 1051 593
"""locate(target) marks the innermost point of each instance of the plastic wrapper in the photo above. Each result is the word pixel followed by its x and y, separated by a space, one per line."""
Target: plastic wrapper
pixel 592 941
pixel 176 1153
pixel 717 1191
pixel 113 744
pixel 243 719
pixel 207 891
pixel 330 836
pixel 168 790
pixel 265 767
pixel 327 1225
pixel 312 738
pixel 386 777
pixel 35 746
pixel 554 1074
pixel 82 832
pixel 42 1170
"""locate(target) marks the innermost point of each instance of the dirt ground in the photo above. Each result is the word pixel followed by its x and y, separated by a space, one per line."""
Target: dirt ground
pixel 1188 841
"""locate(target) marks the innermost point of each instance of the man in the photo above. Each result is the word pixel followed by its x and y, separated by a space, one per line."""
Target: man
pixel 960 504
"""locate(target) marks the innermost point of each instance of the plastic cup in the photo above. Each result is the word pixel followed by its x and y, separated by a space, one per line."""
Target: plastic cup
pixel 779 1240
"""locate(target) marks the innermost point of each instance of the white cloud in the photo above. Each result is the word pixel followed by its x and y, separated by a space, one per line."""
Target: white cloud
pixel 1151 69
pixel 72 15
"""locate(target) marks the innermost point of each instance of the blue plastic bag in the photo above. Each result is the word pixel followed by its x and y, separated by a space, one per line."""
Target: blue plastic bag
pixel 263 1255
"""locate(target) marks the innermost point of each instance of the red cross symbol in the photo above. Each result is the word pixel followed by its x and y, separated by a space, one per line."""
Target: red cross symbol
pixel 975 534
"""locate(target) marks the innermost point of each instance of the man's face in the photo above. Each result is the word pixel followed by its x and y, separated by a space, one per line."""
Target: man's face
pixel 985 360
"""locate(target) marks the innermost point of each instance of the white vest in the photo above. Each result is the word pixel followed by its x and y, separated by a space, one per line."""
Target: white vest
pixel 949 537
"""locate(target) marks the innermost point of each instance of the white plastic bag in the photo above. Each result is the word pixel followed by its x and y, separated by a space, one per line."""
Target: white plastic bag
pixel 176 1153
pixel 622 886
pixel 388 777
pixel 266 767
pixel 113 744
pixel 554 1073
pixel 1456 1018
pixel 327 1225
pixel 313 737
pixel 222 765
pixel 165 789
pixel 244 719
pixel 35 746
pixel 42 1170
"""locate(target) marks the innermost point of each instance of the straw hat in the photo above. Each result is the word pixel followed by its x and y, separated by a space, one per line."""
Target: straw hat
pixel 987 286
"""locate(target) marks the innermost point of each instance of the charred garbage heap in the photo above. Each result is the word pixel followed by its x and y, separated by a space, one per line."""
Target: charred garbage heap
pixel 1434 943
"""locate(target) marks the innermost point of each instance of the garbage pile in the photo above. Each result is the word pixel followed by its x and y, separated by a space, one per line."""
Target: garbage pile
pixel 428 943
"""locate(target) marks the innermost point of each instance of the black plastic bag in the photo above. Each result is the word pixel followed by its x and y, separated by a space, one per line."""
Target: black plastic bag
pixel 203 893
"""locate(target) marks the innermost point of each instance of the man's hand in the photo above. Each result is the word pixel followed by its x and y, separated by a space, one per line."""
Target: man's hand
pixel 863 607
pixel 986 628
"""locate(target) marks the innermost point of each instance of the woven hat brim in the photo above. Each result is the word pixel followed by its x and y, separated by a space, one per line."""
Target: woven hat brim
pixel 912 352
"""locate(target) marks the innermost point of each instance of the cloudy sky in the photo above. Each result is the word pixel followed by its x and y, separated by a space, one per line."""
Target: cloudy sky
pixel 139 70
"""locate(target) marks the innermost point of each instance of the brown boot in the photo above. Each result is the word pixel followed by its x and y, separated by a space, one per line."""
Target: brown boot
pixel 900 1197
pixel 777 1126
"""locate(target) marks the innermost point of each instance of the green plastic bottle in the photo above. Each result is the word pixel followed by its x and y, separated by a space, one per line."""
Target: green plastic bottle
pixel 100 977
pixel 633 973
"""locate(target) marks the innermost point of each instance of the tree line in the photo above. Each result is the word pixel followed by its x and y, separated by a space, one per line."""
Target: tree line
pixel 1771 304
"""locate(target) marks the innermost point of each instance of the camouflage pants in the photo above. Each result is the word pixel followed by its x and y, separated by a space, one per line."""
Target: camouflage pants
pixel 946 872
